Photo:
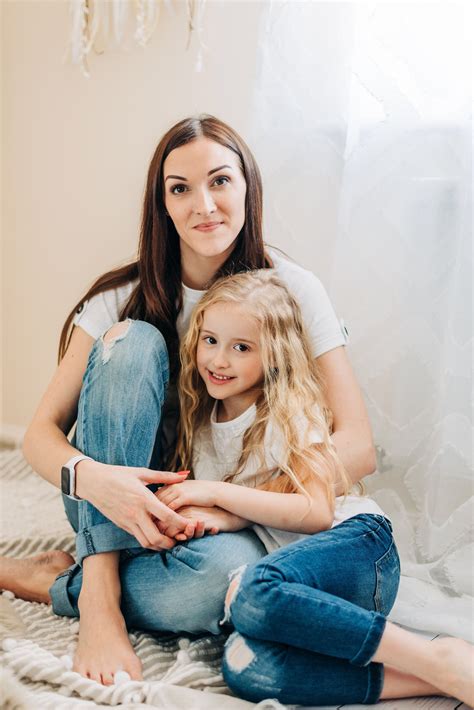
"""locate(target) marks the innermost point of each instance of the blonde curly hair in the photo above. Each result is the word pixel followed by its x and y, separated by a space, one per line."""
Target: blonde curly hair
pixel 292 389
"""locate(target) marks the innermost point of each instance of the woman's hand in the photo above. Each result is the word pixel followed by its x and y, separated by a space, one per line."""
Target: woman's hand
pixel 176 495
pixel 121 494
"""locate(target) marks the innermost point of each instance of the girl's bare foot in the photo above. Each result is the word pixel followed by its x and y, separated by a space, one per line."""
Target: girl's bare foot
pixel 104 647
pixel 31 578
pixel 457 662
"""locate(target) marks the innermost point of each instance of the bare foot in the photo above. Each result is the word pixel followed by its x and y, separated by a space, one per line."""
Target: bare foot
pixel 457 659
pixel 31 578
pixel 104 647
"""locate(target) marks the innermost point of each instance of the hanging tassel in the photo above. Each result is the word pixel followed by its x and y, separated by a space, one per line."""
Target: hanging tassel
pixel 79 39
pixel 98 19
pixel 147 18
pixel 119 12
pixel 195 24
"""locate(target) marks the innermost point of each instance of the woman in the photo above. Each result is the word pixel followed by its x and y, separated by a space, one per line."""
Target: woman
pixel 202 218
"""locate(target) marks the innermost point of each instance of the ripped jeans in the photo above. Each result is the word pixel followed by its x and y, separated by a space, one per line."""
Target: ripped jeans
pixel 119 415
pixel 310 616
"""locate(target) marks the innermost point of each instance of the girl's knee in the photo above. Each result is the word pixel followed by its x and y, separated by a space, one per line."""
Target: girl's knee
pixel 249 668
pixel 249 603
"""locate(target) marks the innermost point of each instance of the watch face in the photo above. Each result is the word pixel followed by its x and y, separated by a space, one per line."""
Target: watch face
pixel 65 480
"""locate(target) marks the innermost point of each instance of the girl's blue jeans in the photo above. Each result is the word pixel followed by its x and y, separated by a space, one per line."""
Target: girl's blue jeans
pixel 119 416
pixel 310 616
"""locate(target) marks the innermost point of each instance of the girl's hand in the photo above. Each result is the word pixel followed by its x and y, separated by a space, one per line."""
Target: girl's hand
pixel 214 520
pixel 202 493
pixel 121 494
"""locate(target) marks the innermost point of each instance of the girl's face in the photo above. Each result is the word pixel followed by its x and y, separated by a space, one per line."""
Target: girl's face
pixel 205 198
pixel 228 355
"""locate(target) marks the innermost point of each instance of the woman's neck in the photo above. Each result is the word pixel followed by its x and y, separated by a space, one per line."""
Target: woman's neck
pixel 196 277
pixel 198 271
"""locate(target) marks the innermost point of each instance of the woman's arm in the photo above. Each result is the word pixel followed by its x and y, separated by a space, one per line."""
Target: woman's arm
pixel 352 435
pixel 119 492
pixel 45 445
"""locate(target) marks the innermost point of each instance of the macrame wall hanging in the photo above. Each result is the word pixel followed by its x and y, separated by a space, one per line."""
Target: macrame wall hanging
pixel 97 23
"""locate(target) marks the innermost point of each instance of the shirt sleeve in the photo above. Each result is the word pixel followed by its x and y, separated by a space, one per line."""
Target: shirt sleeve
pixel 100 312
pixel 325 330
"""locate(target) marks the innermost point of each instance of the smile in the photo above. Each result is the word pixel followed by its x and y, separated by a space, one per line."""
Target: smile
pixel 219 379
pixel 208 226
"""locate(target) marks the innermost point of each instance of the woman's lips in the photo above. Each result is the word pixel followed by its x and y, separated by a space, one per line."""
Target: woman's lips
pixel 207 226
pixel 217 380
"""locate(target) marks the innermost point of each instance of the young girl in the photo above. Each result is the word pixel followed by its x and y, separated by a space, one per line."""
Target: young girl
pixel 253 415
pixel 311 616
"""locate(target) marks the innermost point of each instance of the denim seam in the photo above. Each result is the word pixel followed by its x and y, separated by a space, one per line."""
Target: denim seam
pixel 59 595
pixel 89 541
pixel 376 628
pixel 288 553
pixel 377 595
pixel 376 673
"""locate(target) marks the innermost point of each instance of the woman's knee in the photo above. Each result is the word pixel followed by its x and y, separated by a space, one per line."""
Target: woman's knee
pixel 133 343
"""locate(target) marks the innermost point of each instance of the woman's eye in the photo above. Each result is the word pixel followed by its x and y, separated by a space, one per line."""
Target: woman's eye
pixel 178 189
pixel 210 340
pixel 241 347
pixel 221 180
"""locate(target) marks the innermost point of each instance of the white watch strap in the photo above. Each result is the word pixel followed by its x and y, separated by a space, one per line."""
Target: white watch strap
pixel 71 465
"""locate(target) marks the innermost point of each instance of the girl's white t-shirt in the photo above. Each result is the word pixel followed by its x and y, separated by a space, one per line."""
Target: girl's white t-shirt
pixel 325 331
pixel 216 453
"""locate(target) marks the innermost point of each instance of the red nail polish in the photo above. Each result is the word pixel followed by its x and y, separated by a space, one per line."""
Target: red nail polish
pixel 182 473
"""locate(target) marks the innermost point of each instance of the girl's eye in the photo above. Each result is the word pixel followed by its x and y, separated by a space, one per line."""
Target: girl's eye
pixel 241 347
pixel 221 180
pixel 178 189
pixel 210 340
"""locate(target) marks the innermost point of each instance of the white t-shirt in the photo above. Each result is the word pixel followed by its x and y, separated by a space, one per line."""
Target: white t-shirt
pixel 217 451
pixel 325 331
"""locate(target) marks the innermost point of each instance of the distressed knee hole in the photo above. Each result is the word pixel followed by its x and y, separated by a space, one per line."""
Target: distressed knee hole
pixel 113 335
pixel 235 578
pixel 238 654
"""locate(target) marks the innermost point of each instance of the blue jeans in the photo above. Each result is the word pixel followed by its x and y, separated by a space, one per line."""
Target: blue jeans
pixel 118 422
pixel 309 617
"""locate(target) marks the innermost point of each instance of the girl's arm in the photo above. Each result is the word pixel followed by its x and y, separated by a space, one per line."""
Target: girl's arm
pixel 213 520
pixel 352 435
pixel 121 495
pixel 284 511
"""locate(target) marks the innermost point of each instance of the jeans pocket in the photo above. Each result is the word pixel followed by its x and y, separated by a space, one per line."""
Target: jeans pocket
pixel 387 572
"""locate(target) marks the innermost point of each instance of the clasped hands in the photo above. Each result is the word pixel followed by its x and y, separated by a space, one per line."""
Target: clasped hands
pixel 196 501
pixel 122 495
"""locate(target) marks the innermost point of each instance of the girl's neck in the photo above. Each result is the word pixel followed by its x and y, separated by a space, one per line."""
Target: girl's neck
pixel 232 407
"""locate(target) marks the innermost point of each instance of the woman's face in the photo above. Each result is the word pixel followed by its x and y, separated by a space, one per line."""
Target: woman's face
pixel 205 198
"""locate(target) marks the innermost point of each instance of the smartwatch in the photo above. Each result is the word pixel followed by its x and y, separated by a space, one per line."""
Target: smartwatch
pixel 68 476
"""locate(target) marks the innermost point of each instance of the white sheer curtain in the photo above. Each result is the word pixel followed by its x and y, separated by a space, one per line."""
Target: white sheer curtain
pixel 362 121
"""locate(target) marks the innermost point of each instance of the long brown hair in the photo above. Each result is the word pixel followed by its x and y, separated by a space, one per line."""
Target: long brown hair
pixel 157 297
